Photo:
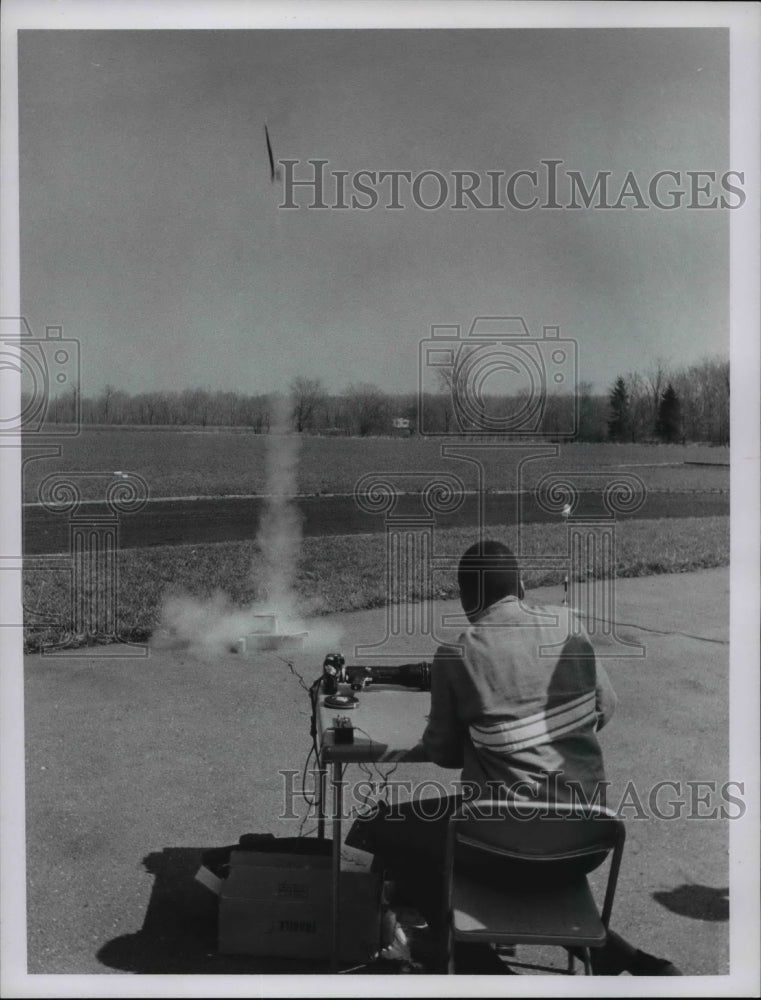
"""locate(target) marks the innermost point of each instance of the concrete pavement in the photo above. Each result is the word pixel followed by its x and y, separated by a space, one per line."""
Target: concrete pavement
pixel 136 763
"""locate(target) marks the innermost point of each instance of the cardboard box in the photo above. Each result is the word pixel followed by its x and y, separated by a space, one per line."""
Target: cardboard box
pixel 279 905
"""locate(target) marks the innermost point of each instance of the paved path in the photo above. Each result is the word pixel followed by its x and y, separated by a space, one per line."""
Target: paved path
pixel 136 763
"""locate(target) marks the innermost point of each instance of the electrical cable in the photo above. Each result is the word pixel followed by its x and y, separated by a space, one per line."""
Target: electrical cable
pixel 366 802
pixel 312 691
pixel 385 780
pixel 655 631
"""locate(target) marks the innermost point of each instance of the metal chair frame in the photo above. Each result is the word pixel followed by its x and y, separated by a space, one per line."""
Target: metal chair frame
pixel 521 834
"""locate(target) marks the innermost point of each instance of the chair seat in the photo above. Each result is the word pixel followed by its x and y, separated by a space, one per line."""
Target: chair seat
pixel 565 915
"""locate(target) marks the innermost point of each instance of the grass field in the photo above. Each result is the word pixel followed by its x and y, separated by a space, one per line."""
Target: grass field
pixel 348 572
pixel 227 462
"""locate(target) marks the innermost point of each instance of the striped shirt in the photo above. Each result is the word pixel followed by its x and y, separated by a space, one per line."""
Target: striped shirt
pixel 519 704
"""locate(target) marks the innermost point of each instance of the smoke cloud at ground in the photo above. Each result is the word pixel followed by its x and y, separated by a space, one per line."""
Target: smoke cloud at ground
pixel 210 627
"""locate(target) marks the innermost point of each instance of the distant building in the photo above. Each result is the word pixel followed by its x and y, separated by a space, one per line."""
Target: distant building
pixel 401 426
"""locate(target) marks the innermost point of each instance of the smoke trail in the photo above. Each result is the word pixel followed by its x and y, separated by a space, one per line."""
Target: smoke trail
pixel 279 534
pixel 209 628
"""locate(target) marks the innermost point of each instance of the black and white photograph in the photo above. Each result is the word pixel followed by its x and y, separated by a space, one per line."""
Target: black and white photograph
pixel 379 563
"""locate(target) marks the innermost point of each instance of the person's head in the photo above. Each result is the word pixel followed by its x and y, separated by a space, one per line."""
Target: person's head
pixel 488 572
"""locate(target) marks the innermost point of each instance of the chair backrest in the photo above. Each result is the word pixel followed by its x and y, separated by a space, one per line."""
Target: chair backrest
pixel 536 832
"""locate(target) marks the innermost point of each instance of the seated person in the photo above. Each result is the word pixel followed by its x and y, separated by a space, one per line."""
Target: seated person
pixel 520 723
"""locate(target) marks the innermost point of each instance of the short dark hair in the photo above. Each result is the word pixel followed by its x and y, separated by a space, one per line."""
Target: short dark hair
pixel 488 571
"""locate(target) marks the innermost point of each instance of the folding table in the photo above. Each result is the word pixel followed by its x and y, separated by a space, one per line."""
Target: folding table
pixel 388 725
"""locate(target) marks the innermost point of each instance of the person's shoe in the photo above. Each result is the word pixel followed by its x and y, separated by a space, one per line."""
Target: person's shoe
pixel 397 948
pixel 409 917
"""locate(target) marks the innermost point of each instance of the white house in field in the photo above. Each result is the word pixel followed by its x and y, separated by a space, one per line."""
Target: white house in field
pixel 401 425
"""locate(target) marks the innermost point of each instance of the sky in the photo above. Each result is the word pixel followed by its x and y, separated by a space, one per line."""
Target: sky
pixel 151 233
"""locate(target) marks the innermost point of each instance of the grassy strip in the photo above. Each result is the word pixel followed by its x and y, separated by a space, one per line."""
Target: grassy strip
pixel 347 573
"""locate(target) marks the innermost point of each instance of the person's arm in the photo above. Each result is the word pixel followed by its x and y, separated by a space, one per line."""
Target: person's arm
pixel 444 735
pixel 605 698
pixel 579 647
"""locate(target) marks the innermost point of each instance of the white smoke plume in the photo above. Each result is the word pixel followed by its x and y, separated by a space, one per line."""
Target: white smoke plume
pixel 205 627
pixel 279 535
pixel 210 628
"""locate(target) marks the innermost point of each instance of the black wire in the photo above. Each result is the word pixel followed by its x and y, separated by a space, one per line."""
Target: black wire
pixel 370 780
pixel 312 690
pixel 295 672
pixel 309 801
pixel 314 699
pixel 656 631
pixel 384 777
pixel 385 780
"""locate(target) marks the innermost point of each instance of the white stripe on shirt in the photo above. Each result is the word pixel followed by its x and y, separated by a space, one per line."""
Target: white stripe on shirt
pixel 536 729
pixel 529 719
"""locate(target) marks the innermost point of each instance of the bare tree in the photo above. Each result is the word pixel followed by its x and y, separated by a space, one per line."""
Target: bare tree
pixel 655 380
pixel 105 402
pixel 308 395
pixel 196 404
pixel 75 401
pixel 368 408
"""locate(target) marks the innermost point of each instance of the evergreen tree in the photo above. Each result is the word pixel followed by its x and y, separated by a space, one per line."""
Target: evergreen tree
pixel 668 427
pixel 618 422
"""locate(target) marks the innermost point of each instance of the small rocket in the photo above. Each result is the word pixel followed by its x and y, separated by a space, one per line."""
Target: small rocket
pixel 270 155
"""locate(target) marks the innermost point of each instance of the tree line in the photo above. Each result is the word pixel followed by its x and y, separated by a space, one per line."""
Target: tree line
pixel 679 405
pixel 661 404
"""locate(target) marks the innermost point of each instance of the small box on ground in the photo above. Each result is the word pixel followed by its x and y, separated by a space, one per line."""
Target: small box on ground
pixel 279 906
pixel 264 634
pixel 260 642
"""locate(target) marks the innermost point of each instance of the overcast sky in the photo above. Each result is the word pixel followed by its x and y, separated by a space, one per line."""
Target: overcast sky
pixel 150 229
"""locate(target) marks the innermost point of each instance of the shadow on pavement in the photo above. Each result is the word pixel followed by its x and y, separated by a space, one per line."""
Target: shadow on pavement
pixel 700 902
pixel 179 933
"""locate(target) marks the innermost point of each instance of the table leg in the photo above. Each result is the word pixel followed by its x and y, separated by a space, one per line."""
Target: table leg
pixel 322 775
pixel 336 880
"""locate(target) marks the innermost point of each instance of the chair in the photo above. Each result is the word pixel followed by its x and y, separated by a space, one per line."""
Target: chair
pixel 537 836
